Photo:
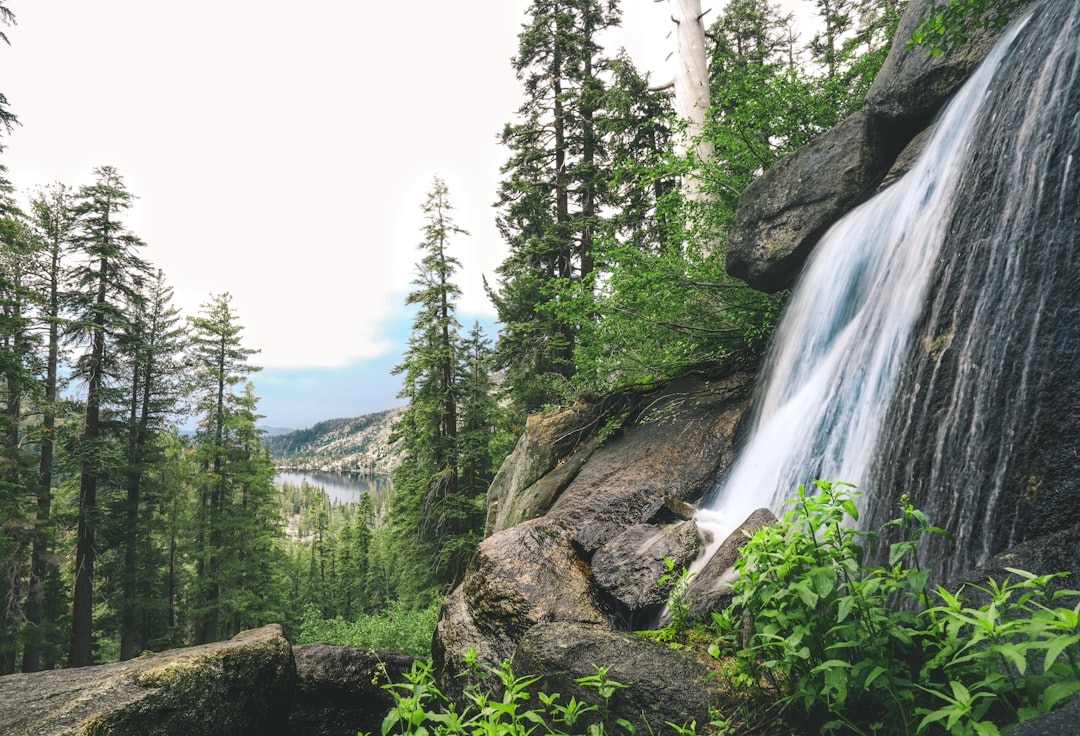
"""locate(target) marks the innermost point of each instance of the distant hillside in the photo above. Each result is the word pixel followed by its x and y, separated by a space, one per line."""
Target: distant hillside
pixel 357 445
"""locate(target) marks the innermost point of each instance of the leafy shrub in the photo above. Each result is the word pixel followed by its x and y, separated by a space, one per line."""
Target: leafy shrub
pixel 399 628
pixel 506 708
pixel 852 647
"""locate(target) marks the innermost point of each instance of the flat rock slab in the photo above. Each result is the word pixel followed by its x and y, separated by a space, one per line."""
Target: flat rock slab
pixel 233 688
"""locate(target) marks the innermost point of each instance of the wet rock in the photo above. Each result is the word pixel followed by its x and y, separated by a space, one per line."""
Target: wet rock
pixel 709 589
pixel 629 567
pixel 784 212
pixel 1061 722
pixel 241 686
pixel 682 437
pixel 913 86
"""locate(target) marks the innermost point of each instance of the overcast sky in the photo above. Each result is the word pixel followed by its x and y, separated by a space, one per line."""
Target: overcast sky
pixel 281 152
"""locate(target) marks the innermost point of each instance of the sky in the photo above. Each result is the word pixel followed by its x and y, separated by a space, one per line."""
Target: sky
pixel 281 152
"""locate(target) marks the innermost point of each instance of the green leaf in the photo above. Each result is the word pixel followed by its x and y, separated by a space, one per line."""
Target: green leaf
pixel 1056 693
pixel 874 674
pixel 844 608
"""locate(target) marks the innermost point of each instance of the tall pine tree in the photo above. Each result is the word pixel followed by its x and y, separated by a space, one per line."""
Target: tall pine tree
pixel 225 444
pixel 434 525
pixel 108 281
pixel 555 185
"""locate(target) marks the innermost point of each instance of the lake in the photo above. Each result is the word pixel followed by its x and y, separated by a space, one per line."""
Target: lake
pixel 341 488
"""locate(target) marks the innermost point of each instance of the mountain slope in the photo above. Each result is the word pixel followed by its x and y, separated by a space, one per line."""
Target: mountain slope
pixel 351 445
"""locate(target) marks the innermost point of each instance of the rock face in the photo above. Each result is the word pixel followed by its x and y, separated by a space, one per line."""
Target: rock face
pixel 339 690
pixel 784 212
pixel 525 487
pixel 242 686
pixel 518 578
pixel 674 441
pixel 664 685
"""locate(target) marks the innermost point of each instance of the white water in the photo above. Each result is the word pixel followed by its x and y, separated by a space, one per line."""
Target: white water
pixel 836 357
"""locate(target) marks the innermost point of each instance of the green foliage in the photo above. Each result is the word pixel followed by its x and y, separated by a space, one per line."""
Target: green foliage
pixel 949 24
pixel 679 582
pixel 399 627
pixel 853 647
pixel 498 703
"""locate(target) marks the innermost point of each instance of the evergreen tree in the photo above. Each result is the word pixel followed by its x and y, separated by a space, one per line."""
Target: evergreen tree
pixel 429 516
pixel 53 220
pixel 479 432
pixel 555 186
pixel 107 283
pixel 228 455
pixel 7 118
pixel 18 384
pixel 152 351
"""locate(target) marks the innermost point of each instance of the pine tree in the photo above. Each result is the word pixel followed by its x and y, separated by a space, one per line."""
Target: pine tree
pixel 479 432
pixel 426 510
pixel 108 282
pixel 17 355
pixel 53 219
pixel 152 349
pixel 7 118
pixel 220 365
pixel 555 186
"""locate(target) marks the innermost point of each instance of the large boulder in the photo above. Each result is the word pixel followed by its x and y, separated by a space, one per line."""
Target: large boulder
pixel 339 690
pixel 630 566
pixel 673 442
pixel 784 212
pixel 241 686
pixel 664 685
pixel 518 578
pixel 912 85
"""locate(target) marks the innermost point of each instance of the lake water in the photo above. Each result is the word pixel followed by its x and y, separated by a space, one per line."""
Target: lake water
pixel 340 487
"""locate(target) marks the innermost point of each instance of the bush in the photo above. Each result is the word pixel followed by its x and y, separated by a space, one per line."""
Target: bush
pixel 398 628
pixel 498 703
pixel 847 646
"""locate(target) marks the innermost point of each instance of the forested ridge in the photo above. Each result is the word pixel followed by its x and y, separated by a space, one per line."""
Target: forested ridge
pixel 348 445
pixel 122 534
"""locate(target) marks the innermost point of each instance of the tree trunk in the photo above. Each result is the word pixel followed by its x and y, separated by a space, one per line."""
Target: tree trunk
pixel 81 652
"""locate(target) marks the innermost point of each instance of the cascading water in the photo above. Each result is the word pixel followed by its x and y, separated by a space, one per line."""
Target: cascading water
pixel 888 295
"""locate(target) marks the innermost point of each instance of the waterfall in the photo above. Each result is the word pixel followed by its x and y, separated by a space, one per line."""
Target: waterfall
pixel 853 390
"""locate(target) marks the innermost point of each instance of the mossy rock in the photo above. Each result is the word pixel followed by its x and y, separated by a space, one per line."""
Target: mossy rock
pixel 241 686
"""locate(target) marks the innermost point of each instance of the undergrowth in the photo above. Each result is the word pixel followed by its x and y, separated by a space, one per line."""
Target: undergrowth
pixel 398 627
pixel 839 645
pixel 500 703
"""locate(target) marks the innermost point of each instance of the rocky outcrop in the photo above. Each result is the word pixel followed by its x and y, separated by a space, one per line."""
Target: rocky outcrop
pixel 783 213
pixel 339 690
pixel 525 485
pixel 517 579
pixel 672 442
pixel 242 686
pixel 663 685
pixel 709 589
